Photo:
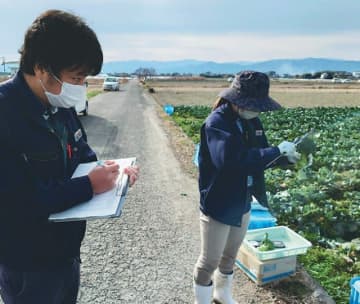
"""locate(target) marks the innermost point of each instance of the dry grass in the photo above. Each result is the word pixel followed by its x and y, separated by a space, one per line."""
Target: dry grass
pixel 3 78
pixel 181 144
pixel 288 93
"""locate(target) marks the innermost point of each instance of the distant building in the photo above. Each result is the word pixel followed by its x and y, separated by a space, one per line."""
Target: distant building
pixel 10 67
pixel 356 74
pixel 325 76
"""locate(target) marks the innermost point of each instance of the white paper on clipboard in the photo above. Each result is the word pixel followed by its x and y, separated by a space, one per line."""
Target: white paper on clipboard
pixel 104 205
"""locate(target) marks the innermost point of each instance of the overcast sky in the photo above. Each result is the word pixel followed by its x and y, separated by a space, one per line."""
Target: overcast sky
pixel 214 30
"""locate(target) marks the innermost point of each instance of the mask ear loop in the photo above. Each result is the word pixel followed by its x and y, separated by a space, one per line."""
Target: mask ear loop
pixel 62 82
pixel 55 77
pixel 52 75
pixel 42 85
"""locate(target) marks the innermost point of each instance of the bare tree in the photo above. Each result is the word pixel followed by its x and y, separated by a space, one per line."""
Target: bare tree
pixel 145 72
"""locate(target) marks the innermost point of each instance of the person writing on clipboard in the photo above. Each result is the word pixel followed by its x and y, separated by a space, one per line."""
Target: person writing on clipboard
pixel 42 142
pixel 233 155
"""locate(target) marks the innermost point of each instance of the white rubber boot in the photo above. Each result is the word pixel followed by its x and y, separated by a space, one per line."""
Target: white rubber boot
pixel 203 294
pixel 222 288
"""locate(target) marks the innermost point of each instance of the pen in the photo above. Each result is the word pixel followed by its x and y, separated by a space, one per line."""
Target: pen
pixel 100 163
pixel 68 148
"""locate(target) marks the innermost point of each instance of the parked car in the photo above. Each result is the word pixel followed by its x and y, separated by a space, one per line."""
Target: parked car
pixel 83 109
pixel 111 84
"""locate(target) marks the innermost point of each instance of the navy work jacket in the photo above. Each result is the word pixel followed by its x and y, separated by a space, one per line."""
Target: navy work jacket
pixel 35 180
pixel 227 164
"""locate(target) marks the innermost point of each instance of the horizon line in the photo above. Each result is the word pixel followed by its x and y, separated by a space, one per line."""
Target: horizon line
pixel 236 62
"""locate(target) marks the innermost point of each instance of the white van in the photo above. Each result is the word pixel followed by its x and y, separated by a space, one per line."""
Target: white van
pixel 111 84
pixel 83 109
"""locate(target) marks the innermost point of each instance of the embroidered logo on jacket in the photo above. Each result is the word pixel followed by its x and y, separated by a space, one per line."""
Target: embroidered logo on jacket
pixel 77 135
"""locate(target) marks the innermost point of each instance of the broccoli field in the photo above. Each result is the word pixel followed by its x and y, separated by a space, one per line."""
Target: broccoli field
pixel 318 198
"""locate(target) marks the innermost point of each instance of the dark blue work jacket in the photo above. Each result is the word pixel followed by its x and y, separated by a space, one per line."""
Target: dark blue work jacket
pixel 36 163
pixel 229 166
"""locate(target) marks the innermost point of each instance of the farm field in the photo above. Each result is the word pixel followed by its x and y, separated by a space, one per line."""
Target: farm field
pixel 320 201
pixel 295 93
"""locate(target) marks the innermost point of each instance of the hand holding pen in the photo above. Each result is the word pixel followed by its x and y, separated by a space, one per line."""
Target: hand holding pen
pixel 131 171
pixel 103 177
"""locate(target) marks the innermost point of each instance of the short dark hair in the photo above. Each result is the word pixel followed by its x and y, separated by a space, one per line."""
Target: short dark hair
pixel 58 40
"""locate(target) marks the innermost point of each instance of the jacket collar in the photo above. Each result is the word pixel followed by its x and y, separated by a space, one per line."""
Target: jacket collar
pixel 228 111
pixel 234 118
pixel 29 104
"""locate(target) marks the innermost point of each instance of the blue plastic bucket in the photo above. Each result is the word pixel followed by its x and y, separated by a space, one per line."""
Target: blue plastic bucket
pixel 355 290
pixel 196 155
pixel 169 109
pixel 260 217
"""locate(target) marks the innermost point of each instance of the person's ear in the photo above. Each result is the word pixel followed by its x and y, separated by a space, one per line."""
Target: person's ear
pixel 39 71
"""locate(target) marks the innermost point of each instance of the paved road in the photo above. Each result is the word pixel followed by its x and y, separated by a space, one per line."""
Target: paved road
pixel 147 255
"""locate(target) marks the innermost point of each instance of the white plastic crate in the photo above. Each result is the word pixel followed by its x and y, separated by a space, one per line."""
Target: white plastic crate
pixel 294 243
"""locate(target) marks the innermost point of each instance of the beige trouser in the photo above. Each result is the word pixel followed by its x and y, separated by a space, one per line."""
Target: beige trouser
pixel 219 246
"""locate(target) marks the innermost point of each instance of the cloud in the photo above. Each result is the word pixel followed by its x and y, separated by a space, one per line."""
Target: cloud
pixel 229 47
pixel 227 30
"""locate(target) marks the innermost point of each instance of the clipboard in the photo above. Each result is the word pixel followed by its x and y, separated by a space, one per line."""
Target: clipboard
pixel 104 205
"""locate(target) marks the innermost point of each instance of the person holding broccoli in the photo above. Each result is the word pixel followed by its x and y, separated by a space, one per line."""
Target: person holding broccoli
pixel 233 155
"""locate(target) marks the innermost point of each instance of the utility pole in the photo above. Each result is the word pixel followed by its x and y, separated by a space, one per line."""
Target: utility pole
pixel 3 62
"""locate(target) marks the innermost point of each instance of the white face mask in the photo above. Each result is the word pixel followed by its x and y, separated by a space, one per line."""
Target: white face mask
pixel 71 95
pixel 245 114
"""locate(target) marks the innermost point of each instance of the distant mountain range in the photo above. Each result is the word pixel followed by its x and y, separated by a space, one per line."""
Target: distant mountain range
pixel 280 66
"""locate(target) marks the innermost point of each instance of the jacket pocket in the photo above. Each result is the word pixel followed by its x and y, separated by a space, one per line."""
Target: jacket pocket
pixel 45 165
pixel 42 157
pixel 11 281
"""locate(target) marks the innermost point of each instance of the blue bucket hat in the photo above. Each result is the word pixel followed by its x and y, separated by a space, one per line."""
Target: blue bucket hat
pixel 250 91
